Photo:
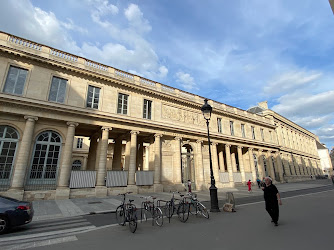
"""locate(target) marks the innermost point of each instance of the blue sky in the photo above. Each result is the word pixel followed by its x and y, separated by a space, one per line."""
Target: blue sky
pixel 237 52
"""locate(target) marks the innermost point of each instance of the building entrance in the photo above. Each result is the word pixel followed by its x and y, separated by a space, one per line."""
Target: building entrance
pixel 187 165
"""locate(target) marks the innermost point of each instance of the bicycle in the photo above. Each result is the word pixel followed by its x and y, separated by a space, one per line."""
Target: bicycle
pixel 126 212
pixel 197 207
pixel 148 207
pixel 170 206
pixel 183 209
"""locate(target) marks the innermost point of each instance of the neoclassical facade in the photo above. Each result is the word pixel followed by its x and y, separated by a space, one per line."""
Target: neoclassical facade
pixel 71 127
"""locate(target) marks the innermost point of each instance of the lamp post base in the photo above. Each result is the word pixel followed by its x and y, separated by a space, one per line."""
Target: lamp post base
pixel 214 199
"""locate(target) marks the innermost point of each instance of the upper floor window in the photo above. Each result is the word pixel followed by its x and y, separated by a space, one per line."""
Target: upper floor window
pixel 15 81
pixel 253 132
pixel 262 134
pixel 79 142
pixel 93 96
pixel 271 136
pixel 243 130
pixel 122 107
pixel 219 125
pixel 147 109
pixel 231 128
pixel 58 90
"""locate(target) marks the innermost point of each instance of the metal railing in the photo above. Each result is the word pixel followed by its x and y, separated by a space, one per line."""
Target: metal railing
pixel 144 178
pixel 82 179
pixel 117 179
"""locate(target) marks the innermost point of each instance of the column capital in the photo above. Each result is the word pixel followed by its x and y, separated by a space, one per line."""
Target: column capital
pixel 227 145
pixel 72 124
pixel 250 149
pixel 158 135
pixel 214 143
pixel 199 141
pixel 239 147
pixel 178 138
pixel 106 128
pixel 31 118
pixel 133 132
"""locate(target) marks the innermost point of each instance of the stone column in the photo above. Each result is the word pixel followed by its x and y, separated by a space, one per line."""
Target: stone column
pixel 127 155
pixel 261 163
pixel 101 189
pixel 177 161
pixel 147 159
pixel 221 160
pixel 200 169
pixel 133 157
pixel 117 159
pixel 241 165
pixel 215 167
pixel 98 150
pixel 157 163
pixel 270 165
pixel 229 164
pixel 84 165
pixel 295 165
pixel 66 165
pixel 92 152
pixel 279 166
pixel 251 162
pixel 233 161
pixel 21 166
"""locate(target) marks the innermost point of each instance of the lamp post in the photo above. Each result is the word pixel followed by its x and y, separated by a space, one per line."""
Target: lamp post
pixel 207 110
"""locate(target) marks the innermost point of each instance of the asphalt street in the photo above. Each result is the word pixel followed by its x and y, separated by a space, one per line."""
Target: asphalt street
pixel 305 223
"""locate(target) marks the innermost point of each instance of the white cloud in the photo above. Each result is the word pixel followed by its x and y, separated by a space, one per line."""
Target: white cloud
pixel 290 81
pixel 71 26
pixel 186 80
pixel 136 19
pixel 311 122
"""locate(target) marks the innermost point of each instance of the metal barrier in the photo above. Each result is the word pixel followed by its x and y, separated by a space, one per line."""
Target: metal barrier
pixel 224 177
pixel 117 179
pixel 144 178
pixel 82 179
pixel 249 176
pixel 237 177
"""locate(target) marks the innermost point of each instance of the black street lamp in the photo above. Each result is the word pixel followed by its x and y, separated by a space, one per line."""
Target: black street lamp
pixel 207 110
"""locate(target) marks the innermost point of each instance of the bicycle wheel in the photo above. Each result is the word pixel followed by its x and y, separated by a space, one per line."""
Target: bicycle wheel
pixel 169 210
pixel 120 215
pixel 132 222
pixel 158 216
pixel 183 212
pixel 203 210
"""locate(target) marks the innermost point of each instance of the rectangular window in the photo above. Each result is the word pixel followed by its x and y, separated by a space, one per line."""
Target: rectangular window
pixel 243 130
pixel 219 125
pixel 15 81
pixel 147 109
pixel 57 90
pixel 271 136
pixel 93 96
pixel 262 135
pixel 122 107
pixel 79 142
pixel 253 132
pixel 231 128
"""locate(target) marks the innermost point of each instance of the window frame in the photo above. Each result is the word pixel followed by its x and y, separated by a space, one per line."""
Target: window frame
pixel 243 133
pixel 66 89
pixel 26 82
pixel 149 110
pixel 122 106
pixel 79 143
pixel 262 133
pixel 232 127
pixel 219 125
pixel 253 132
pixel 93 97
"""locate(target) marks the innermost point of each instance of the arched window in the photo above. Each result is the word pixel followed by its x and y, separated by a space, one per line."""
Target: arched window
pixel 8 144
pixel 76 165
pixel 45 159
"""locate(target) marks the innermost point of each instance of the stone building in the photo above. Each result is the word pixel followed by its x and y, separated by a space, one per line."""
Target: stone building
pixel 325 159
pixel 71 127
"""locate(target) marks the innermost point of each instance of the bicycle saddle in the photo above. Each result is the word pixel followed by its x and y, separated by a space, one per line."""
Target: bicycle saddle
pixel 131 200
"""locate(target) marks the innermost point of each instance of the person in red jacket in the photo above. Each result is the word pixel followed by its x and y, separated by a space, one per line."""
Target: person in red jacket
pixel 249 184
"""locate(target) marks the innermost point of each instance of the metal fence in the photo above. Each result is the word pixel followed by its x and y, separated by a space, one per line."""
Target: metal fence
pixel 237 177
pixel 117 178
pixel 82 179
pixel 224 177
pixel 249 176
pixel 144 178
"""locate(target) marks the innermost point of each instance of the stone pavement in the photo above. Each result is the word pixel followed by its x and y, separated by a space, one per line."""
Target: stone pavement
pixel 51 209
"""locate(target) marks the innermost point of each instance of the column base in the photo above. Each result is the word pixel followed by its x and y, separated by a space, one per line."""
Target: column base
pixel 232 184
pixel 62 193
pixel 15 194
pixel 132 188
pixel 101 191
pixel 158 188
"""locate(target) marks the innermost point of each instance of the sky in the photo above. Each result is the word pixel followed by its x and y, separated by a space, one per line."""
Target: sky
pixel 237 52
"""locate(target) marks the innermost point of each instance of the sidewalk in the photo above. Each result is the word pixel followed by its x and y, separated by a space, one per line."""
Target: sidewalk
pixel 52 209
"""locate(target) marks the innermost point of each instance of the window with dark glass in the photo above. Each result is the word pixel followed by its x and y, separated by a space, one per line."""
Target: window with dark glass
pixel 57 90
pixel 122 107
pixel 231 128
pixel 253 132
pixel 147 109
pixel 79 142
pixel 15 81
pixel 243 130
pixel 262 135
pixel 93 96
pixel 219 125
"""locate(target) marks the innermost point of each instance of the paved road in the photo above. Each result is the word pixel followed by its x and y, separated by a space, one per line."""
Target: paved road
pixel 305 223
pixel 58 228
